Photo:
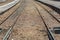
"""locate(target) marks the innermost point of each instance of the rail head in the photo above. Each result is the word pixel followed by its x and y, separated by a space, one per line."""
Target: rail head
pixel 8 6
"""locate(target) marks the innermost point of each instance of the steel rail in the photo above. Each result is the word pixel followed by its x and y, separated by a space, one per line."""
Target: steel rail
pixel 50 34
pixel 49 12
pixel 51 6
pixel 8 16
pixel 9 31
pixel 8 6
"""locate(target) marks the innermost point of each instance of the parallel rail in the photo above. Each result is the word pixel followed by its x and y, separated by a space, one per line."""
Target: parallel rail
pixel 50 13
pixel 50 35
pixel 16 16
pixel 8 6
pixel 57 9
pixel 9 31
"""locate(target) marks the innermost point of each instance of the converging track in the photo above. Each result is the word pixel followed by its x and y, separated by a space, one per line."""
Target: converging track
pixel 9 20
pixel 50 19
pixel 29 20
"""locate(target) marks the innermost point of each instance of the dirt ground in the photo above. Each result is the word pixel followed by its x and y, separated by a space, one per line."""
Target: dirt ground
pixel 29 26
pixel 8 18
pixel 49 18
pixel 8 13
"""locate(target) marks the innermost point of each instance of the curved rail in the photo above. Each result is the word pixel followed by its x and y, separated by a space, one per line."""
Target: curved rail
pixel 7 6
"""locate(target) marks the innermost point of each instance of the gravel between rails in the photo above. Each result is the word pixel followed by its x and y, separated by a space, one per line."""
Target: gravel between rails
pixel 49 19
pixel 29 26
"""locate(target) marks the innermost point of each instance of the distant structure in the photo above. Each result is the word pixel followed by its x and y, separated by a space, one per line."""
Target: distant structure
pixel 2 0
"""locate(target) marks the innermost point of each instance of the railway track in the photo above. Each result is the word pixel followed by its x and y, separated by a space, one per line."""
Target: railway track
pixel 53 16
pixel 47 19
pixel 10 21
pixel 53 13
pixel 51 4
pixel 29 25
pixel 37 20
pixel 5 7
pixel 8 13
pixel 49 33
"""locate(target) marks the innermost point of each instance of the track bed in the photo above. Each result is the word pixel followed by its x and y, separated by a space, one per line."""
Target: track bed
pixel 30 20
pixel 50 17
pixel 29 25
